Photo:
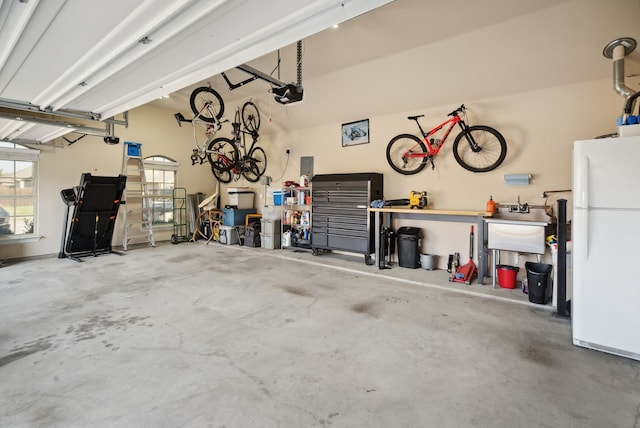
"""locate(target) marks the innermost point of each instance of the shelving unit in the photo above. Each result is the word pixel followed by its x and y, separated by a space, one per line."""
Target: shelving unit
pixel 296 218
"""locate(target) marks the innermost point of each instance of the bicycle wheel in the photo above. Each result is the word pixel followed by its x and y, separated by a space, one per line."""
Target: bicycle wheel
pixel 207 103
pixel 259 157
pixel 254 165
pixel 399 151
pixel 222 176
pixel 250 116
pixel 479 148
pixel 222 154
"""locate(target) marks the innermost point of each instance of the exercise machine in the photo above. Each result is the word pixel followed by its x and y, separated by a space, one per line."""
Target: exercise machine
pixel 95 203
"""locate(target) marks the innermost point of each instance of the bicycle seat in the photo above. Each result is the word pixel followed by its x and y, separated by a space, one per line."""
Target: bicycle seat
pixel 415 117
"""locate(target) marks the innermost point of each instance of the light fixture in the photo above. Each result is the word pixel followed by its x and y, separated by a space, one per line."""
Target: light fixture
pixel 517 179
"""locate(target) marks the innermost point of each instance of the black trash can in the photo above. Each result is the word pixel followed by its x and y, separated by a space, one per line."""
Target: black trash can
pixel 539 279
pixel 409 246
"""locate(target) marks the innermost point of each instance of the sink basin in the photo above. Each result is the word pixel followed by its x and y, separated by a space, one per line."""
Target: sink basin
pixel 522 236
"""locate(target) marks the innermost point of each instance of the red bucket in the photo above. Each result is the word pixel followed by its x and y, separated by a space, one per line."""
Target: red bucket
pixel 507 276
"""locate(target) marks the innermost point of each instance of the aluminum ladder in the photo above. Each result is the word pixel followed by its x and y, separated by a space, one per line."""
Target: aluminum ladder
pixel 138 217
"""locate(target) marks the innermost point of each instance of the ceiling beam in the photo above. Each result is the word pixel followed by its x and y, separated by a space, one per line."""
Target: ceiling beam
pixel 43 118
pixel 14 17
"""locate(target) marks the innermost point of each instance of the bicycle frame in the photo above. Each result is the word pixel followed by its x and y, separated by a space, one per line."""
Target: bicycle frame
pixel 477 148
pixel 433 149
pixel 200 152
pixel 244 154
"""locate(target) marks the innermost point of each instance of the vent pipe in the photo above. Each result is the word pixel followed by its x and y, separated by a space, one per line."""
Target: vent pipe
pixel 617 50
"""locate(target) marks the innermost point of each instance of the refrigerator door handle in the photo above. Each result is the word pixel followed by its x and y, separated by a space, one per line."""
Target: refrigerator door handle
pixel 584 202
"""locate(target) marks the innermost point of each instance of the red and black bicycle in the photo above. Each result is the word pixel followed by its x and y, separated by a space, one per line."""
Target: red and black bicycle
pixel 476 148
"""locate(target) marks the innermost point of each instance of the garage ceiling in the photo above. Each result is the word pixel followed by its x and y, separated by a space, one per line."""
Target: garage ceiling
pixel 410 55
pixel 77 56
pixel 63 62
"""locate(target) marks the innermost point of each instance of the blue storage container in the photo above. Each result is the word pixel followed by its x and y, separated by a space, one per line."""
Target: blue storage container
pixel 235 217
pixel 280 195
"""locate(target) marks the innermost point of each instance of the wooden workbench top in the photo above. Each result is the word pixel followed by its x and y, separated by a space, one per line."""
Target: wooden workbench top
pixel 429 211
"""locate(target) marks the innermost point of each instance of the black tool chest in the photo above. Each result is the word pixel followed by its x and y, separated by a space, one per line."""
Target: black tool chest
pixel 339 212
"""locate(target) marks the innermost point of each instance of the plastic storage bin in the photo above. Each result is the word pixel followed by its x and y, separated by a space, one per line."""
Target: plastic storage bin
pixel 271 213
pixel 270 241
pixel 280 195
pixel 242 198
pixel 409 246
pixel 229 235
pixel 235 217
pixel 538 277
pixel 270 227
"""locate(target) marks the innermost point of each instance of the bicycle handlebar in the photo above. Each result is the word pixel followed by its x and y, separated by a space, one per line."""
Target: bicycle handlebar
pixel 460 109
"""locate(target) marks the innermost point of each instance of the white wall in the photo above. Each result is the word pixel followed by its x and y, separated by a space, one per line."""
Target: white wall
pixel 60 168
pixel 539 125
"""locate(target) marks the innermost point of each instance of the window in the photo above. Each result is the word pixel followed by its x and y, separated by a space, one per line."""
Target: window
pixel 18 166
pixel 160 175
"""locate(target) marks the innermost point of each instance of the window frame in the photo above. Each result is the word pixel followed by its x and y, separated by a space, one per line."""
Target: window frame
pixel 164 164
pixel 14 152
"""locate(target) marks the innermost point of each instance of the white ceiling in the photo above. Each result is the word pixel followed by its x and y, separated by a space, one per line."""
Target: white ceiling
pixel 418 53
pixel 411 54
pixel 69 57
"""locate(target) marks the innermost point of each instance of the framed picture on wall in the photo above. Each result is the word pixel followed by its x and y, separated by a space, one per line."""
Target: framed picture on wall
pixel 355 133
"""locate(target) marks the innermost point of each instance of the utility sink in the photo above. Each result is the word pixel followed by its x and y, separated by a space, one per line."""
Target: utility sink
pixel 522 236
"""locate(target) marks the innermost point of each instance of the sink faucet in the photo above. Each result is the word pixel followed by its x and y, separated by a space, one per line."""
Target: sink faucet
pixel 519 208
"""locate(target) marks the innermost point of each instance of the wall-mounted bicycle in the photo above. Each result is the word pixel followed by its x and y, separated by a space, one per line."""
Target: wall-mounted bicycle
pixel 230 158
pixel 476 148
pixel 208 108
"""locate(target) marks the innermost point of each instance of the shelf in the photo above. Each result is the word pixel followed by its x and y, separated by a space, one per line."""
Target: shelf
pixel 292 207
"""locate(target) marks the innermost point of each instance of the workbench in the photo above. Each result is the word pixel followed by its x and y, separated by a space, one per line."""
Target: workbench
pixel 387 214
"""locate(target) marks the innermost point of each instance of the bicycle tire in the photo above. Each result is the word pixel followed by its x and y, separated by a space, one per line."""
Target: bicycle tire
pixel 401 144
pixel 260 158
pixel 222 176
pixel 492 149
pixel 254 165
pixel 222 154
pixel 251 117
pixel 206 103
pixel 250 172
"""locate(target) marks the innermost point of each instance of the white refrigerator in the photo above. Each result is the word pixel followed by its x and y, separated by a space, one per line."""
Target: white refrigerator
pixel 605 306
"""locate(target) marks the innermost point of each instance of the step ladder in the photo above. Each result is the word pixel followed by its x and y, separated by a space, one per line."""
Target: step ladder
pixel 138 217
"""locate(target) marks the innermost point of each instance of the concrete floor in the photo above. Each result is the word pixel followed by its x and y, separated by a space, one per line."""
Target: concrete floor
pixel 195 335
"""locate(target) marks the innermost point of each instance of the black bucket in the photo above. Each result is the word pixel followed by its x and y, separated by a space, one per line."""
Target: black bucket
pixel 539 279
